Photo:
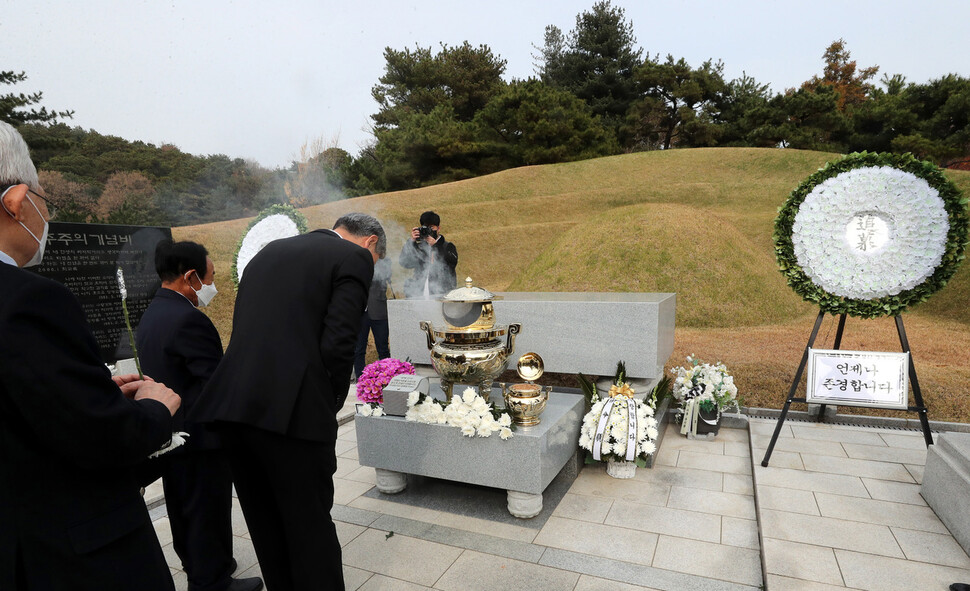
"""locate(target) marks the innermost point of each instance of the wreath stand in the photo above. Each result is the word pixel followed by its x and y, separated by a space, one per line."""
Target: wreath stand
pixel 920 407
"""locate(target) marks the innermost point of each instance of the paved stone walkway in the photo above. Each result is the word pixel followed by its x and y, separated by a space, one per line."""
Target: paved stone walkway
pixel 838 508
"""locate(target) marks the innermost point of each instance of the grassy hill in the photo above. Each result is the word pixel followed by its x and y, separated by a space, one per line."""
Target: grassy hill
pixel 695 222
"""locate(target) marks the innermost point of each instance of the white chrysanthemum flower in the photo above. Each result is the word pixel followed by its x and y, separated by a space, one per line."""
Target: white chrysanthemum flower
pixel 468 431
pixel 479 405
pixel 487 427
pixel 870 232
pixel 365 410
pixel 505 420
pixel 648 448
pixel 121 284
pixel 413 398
pixel 378 411
pixel 469 396
pixel 505 433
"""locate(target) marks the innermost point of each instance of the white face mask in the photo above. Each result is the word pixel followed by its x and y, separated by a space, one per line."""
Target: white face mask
pixel 42 241
pixel 204 293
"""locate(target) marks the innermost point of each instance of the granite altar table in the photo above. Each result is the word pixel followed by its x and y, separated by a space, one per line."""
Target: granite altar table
pixel 523 465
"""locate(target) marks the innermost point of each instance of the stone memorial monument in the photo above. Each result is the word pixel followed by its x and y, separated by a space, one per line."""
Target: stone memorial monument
pixel 86 257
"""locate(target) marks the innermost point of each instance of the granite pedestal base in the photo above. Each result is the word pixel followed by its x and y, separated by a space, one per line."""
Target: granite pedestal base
pixel 946 483
pixel 523 465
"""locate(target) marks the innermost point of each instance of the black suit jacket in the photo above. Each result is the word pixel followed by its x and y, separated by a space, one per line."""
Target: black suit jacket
pixel 294 330
pixel 70 511
pixel 179 346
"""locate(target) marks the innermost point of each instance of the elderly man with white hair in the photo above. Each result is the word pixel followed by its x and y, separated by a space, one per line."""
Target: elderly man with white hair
pixel 71 516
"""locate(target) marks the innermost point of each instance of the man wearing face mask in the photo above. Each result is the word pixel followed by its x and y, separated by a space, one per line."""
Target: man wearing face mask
pixel 179 345
pixel 71 516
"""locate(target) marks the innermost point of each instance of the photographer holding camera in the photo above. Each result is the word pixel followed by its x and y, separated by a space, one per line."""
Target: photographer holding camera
pixel 431 256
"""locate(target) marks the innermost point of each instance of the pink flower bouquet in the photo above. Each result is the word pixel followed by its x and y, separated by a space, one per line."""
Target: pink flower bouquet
pixel 370 384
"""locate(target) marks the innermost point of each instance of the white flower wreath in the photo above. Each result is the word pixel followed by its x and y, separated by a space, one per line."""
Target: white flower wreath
pixel 274 222
pixel 267 230
pixel 870 232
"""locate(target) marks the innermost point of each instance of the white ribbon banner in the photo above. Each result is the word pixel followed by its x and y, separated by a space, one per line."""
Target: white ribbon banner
pixel 631 439
pixel 601 429
pixel 689 422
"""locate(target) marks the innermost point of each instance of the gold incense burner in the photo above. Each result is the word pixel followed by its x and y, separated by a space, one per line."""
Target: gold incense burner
pixel 525 402
pixel 472 349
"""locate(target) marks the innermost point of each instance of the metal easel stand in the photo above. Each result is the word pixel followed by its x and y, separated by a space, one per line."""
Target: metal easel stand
pixel 920 407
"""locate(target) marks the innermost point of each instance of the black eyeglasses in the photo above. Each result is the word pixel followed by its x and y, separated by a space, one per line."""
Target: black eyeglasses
pixel 52 206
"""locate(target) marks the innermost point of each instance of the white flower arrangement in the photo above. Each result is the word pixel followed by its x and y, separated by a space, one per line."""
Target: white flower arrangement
pixel 469 412
pixel 870 232
pixel 702 387
pixel 704 381
pixel 619 428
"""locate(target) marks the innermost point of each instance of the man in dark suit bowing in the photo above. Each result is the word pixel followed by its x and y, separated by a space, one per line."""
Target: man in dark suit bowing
pixel 276 393
pixel 179 345
pixel 71 516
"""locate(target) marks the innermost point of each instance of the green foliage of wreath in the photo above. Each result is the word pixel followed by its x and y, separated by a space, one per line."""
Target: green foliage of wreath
pixel 956 239
pixel 277 209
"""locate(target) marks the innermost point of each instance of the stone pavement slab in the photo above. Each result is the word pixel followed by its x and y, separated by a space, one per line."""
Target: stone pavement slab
pixel 583 508
pixel 588 583
pixel 382 583
pixel 715 561
pixel 599 540
pixel 890 574
pixel 933 548
pixel 475 571
pixel 395 556
pixel 739 532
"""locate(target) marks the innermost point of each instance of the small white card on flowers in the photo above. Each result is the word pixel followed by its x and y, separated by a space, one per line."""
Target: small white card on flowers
pixel 858 378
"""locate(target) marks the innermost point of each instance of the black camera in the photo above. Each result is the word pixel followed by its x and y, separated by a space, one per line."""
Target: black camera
pixel 425 231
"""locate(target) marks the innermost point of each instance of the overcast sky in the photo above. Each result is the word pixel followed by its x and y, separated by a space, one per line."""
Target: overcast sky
pixel 252 80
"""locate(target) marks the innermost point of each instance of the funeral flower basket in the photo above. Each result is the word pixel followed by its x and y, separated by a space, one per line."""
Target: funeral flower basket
pixel 619 429
pixel 704 390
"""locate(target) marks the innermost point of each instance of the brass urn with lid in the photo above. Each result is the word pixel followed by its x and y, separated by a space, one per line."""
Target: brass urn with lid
pixel 525 402
pixel 471 349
